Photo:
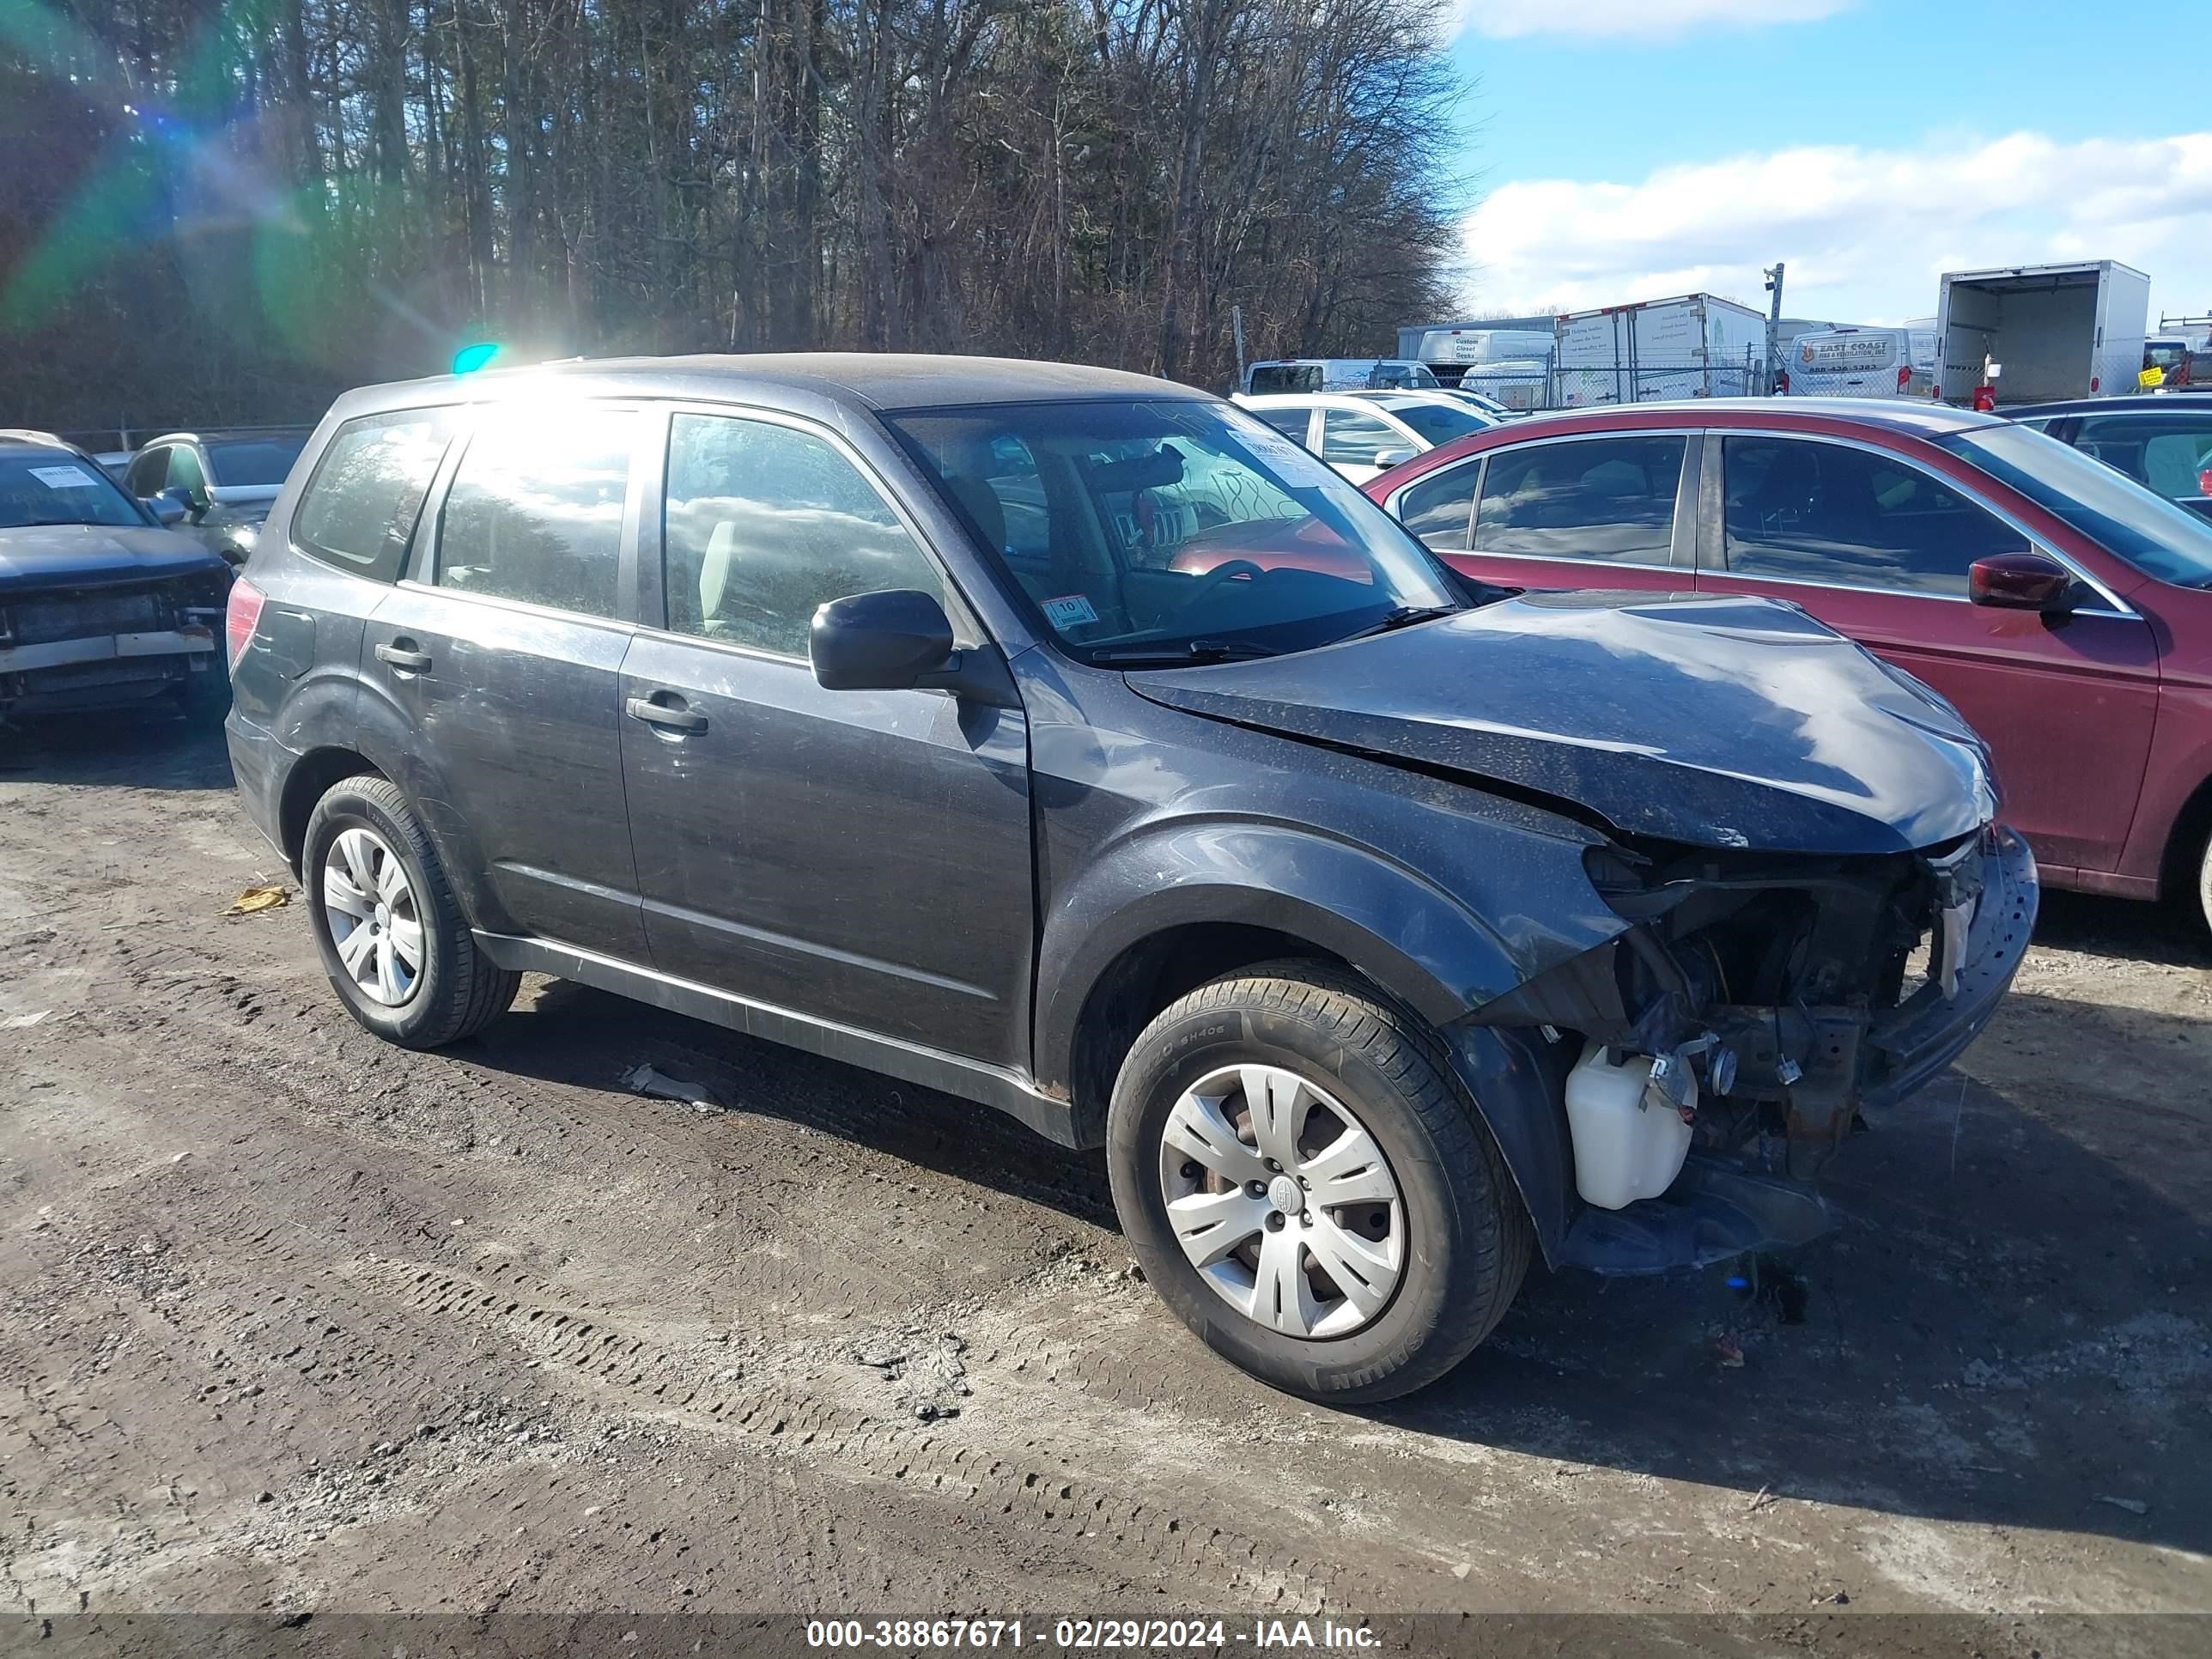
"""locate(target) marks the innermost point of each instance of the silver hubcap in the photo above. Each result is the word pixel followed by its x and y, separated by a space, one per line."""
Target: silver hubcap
pixel 374 920
pixel 1283 1201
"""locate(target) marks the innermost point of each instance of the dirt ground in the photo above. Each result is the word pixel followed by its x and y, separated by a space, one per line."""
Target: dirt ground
pixel 292 1320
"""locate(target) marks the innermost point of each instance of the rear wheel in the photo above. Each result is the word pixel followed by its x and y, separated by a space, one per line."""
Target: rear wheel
pixel 2204 883
pixel 1301 1179
pixel 393 941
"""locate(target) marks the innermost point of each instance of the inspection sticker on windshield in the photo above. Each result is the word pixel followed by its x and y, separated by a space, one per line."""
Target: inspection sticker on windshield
pixel 1070 611
pixel 65 477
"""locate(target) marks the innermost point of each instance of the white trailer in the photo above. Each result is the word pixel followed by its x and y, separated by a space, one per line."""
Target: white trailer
pixel 1439 347
pixel 2061 330
pixel 1698 346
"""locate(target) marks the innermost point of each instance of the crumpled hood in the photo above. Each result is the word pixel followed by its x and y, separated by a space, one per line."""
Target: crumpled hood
pixel 49 555
pixel 1718 721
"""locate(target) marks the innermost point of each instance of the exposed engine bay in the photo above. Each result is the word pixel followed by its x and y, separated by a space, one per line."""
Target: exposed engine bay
pixel 1770 997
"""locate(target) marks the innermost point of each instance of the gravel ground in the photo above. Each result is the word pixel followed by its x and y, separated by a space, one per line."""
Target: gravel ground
pixel 292 1320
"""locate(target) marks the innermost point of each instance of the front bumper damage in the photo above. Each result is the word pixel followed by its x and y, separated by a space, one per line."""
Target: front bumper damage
pixel 1794 994
pixel 68 651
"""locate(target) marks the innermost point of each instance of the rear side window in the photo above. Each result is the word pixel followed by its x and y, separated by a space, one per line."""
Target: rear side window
pixel 1437 508
pixel 763 524
pixel 535 512
pixel 1284 377
pixel 1825 513
pixel 1291 423
pixel 359 512
pixel 1603 498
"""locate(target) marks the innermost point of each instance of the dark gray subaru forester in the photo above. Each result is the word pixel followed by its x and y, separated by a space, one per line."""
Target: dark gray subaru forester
pixel 1071 741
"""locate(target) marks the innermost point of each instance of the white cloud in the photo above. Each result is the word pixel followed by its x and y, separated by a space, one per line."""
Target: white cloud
pixel 1865 232
pixel 1602 20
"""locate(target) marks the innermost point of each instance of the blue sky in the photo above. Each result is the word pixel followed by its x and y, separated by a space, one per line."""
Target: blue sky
pixel 1626 149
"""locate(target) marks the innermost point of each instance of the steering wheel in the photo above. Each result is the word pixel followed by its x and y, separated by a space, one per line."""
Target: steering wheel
pixel 1213 579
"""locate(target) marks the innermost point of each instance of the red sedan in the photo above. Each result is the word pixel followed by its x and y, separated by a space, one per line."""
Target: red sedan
pixel 2066 609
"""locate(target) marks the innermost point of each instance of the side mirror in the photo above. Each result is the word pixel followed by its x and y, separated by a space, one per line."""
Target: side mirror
pixel 886 641
pixel 1387 459
pixel 2019 581
pixel 183 500
pixel 166 506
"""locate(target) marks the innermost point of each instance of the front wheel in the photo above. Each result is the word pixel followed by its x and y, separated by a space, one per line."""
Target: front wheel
pixel 1301 1179
pixel 2204 883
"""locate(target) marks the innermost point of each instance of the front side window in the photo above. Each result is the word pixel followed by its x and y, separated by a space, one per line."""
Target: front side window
pixel 1351 438
pixel 1176 530
pixel 763 524
pixel 535 510
pixel 2172 454
pixel 1438 507
pixel 185 472
pixel 1826 513
pixel 360 508
pixel 58 487
pixel 1608 499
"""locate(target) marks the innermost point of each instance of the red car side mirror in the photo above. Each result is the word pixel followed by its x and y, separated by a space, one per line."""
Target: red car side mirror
pixel 2019 581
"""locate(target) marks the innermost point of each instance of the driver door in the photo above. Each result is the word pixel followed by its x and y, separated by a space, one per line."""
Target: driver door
pixel 1352 441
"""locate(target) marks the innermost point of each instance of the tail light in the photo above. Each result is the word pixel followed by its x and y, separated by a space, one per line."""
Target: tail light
pixel 2094 383
pixel 1904 376
pixel 2204 480
pixel 241 617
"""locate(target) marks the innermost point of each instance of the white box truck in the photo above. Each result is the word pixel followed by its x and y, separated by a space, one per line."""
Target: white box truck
pixel 2062 330
pixel 1698 346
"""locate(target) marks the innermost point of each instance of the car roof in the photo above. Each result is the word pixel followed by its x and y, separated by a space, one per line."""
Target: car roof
pixel 2125 403
pixel 871 380
pixel 227 435
pixel 28 440
pixel 1919 419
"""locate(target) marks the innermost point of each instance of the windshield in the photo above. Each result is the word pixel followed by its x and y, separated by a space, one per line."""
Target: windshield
pixel 253 460
pixel 1436 422
pixel 58 487
pixel 1148 533
pixel 2147 531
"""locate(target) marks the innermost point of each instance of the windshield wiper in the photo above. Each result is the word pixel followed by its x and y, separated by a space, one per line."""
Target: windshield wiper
pixel 1404 616
pixel 1180 656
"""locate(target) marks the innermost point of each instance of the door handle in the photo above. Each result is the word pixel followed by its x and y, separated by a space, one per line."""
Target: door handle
pixel 675 719
pixel 402 655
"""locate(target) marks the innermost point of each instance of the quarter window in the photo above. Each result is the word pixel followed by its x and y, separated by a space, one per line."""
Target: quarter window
pixel 1827 513
pixel 764 524
pixel 1603 498
pixel 360 508
pixel 1437 508
pixel 536 508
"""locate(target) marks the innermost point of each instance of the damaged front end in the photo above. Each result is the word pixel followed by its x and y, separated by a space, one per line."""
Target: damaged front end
pixel 1766 999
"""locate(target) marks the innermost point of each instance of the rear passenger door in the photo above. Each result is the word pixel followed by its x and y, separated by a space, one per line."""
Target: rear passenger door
pixel 855 857
pixel 1879 548
pixel 1352 438
pixel 502 651
pixel 1600 510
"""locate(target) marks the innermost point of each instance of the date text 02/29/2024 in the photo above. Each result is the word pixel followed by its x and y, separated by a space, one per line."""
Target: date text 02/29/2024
pixel 1088 1635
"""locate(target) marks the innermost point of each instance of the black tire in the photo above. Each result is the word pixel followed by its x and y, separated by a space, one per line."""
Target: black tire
pixel 1468 1238
pixel 458 990
pixel 2203 885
